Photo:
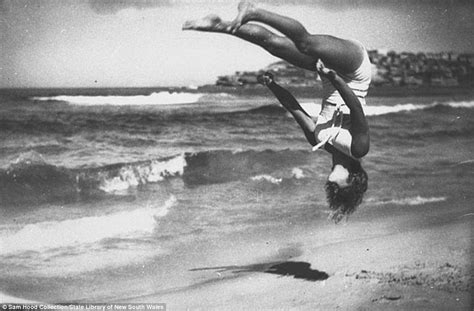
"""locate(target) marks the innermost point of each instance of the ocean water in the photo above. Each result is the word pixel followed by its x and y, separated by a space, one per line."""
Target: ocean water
pixel 109 195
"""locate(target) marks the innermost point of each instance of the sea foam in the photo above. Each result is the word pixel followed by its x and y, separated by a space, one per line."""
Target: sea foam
pixel 44 236
pixel 160 98
pixel 135 175
pixel 313 109
pixel 268 178
pixel 418 200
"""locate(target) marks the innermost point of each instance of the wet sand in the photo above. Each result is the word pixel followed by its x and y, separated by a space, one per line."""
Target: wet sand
pixel 403 258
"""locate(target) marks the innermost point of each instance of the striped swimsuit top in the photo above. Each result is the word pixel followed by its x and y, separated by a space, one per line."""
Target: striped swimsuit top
pixel 358 81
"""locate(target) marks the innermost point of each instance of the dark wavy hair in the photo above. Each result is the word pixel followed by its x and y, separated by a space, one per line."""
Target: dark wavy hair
pixel 344 201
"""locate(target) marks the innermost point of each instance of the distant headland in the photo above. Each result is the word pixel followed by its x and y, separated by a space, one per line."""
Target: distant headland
pixel 393 74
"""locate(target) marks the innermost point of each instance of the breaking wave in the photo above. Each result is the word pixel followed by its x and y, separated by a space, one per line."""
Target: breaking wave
pixel 268 178
pixel 159 98
pixel 56 234
pixel 373 110
pixel 31 180
pixel 134 175
pixel 418 200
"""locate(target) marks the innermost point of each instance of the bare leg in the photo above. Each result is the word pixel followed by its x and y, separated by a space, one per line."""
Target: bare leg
pixel 344 56
pixel 278 46
pixel 291 104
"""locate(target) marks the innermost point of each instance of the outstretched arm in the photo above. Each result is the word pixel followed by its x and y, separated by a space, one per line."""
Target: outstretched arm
pixel 359 126
pixel 291 104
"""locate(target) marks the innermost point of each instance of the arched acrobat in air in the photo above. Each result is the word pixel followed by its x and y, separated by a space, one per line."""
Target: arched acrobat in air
pixel 344 67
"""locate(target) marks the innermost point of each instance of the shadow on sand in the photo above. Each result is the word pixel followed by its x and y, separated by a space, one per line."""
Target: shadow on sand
pixel 297 269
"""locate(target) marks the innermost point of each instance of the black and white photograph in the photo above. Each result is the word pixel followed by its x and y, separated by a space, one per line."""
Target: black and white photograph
pixel 236 155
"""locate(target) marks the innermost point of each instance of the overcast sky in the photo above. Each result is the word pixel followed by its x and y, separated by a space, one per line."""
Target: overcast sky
pixel 120 43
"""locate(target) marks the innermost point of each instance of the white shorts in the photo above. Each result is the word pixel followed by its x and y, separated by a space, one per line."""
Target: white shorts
pixel 338 136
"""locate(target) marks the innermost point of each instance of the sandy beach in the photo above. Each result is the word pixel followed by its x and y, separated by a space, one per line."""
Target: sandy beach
pixel 404 258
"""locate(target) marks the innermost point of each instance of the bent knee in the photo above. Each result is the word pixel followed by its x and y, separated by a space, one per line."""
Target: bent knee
pixel 360 146
pixel 359 150
pixel 303 45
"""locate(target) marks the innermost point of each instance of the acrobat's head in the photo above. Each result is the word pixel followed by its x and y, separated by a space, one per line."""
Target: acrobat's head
pixel 345 189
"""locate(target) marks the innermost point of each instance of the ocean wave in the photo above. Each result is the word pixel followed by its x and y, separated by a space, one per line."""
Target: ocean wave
pixel 159 98
pixel 200 168
pixel 56 234
pixel 216 96
pixel 461 104
pixel 284 178
pixel 418 200
pixel 465 163
pixel 31 180
pixel 381 110
pixel 220 166
pixel 268 178
pixel 313 109
pixel 119 178
pixel 297 173
pixel 142 173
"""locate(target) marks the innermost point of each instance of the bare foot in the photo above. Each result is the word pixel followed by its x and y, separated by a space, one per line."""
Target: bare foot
pixel 245 9
pixel 212 23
